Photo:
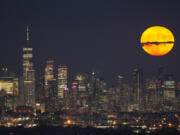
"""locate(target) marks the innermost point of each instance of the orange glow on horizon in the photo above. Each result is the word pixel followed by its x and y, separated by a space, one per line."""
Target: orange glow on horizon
pixel 157 40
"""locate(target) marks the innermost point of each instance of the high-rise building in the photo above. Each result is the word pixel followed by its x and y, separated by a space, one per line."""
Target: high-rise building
pixel 50 87
pixel 153 95
pixel 28 74
pixel 62 80
pixel 82 78
pixel 48 77
pixel 138 86
pixel 51 102
pixel 10 87
pixel 159 84
pixel 74 95
pixel 82 92
pixel 49 74
pixel 169 93
pixel 121 95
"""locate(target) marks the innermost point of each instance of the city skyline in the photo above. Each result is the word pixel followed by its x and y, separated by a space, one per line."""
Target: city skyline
pixel 80 66
pixel 98 38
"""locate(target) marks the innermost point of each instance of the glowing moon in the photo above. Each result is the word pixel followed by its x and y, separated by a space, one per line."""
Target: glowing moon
pixel 157 40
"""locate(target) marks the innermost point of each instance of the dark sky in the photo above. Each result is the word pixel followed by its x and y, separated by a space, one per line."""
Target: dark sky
pixel 88 34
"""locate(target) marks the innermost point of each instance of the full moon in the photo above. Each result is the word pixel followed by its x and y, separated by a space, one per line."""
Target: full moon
pixel 157 40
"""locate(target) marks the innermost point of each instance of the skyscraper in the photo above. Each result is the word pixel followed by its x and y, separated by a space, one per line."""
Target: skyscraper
pixel 169 93
pixel 49 72
pixel 120 96
pixel 50 86
pixel 49 75
pixel 138 86
pixel 62 80
pixel 28 74
pixel 9 85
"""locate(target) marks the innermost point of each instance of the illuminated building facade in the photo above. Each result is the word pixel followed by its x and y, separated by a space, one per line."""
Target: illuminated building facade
pixel 50 86
pixel 153 95
pixel 169 93
pixel 48 77
pixel 81 80
pixel 28 74
pixel 62 80
pixel 49 74
pixel 51 102
pixel 10 87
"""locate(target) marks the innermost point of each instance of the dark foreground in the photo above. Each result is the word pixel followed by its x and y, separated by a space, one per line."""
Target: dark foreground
pixel 43 130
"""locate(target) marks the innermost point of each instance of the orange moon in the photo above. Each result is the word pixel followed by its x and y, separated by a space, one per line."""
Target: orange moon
pixel 157 40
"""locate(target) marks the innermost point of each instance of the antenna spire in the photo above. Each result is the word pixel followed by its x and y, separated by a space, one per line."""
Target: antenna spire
pixel 27 32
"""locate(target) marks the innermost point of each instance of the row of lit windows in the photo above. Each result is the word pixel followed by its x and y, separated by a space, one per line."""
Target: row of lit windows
pixel 27 55
pixel 27 49
pixel 62 86
pixel 7 86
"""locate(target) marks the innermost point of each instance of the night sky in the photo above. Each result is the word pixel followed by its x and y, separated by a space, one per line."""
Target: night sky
pixel 88 34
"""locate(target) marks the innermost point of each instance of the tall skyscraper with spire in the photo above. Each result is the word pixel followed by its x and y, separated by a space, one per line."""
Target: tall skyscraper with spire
pixel 28 74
